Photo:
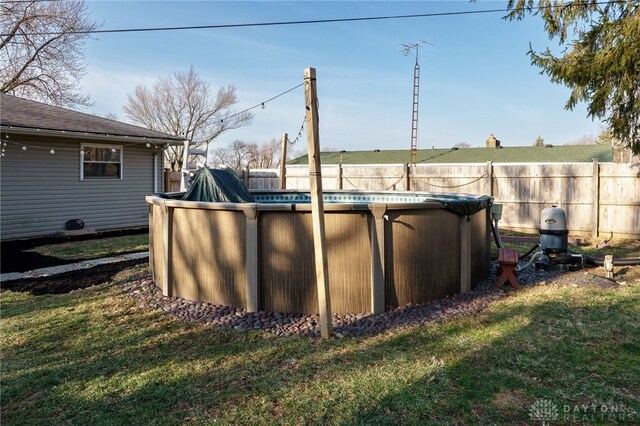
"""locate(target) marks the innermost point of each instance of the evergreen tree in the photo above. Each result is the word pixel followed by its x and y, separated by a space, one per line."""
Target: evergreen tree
pixel 601 62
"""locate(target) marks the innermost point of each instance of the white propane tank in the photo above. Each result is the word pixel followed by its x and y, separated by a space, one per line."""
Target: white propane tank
pixel 553 230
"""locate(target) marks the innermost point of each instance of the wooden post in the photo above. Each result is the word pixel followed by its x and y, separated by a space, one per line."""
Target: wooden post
pixel 166 180
pixel 317 204
pixel 245 176
pixel 489 179
pixel 407 174
pixel 595 197
pixel 339 176
pixel 283 162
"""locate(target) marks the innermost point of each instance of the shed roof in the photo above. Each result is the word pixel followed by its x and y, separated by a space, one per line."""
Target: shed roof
pixel 516 154
pixel 26 115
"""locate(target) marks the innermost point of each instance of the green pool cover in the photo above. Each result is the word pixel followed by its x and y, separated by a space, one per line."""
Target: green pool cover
pixel 217 186
pixel 224 186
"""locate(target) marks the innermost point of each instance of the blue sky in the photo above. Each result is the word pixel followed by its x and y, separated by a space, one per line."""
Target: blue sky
pixel 476 79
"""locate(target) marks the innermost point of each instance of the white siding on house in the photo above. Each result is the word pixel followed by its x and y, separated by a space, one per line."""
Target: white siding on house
pixel 40 191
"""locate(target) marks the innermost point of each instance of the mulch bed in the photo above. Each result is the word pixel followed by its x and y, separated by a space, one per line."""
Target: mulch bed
pixel 14 256
pixel 69 281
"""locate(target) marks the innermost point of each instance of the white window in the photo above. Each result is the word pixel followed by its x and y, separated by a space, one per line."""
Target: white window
pixel 101 162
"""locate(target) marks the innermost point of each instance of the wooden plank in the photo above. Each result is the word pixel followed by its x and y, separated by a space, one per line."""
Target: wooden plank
pixel 317 203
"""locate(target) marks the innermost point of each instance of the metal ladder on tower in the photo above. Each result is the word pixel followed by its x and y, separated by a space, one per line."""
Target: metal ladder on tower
pixel 414 114
pixel 192 160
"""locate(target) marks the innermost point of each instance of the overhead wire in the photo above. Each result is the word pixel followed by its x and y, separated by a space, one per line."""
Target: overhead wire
pixel 305 21
pixel 24 146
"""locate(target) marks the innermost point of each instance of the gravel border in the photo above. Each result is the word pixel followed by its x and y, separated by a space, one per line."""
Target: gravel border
pixel 143 290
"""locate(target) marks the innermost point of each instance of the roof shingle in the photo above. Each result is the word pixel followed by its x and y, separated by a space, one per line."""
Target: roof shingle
pixel 26 114
pixel 516 154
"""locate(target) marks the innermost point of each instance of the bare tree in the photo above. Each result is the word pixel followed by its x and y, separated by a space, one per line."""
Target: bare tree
pixel 265 156
pixel 462 145
pixel 41 50
pixel 183 105
pixel 539 142
pixel 236 155
pixel 241 154
pixel 585 140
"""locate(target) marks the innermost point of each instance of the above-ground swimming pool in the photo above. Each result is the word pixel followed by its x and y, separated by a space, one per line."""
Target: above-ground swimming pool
pixel 383 249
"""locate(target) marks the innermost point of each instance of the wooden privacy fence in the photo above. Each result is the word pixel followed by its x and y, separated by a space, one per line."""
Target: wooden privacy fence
pixel 599 198
pixel 172 181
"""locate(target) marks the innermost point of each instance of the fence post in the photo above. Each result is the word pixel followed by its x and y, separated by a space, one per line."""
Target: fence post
pixel 167 180
pixel 283 162
pixel 490 178
pixel 339 176
pixel 407 171
pixel 245 176
pixel 595 196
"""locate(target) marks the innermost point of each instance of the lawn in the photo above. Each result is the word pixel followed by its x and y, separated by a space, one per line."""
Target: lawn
pixel 91 249
pixel 94 357
pixel 618 248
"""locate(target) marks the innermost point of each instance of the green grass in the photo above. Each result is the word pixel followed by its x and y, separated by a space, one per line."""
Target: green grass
pixel 630 248
pixel 95 248
pixel 94 357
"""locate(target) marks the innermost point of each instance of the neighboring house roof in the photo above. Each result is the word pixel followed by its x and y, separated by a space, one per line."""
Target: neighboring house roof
pixel 516 154
pixel 27 116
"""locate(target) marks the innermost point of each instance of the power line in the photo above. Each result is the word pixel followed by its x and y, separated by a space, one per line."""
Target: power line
pixel 301 22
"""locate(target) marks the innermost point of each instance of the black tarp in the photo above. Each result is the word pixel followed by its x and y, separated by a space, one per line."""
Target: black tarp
pixel 463 205
pixel 217 186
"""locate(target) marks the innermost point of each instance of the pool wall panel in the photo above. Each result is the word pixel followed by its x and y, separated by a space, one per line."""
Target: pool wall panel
pixel 480 257
pixel 209 256
pixel 261 257
pixel 422 260
pixel 287 267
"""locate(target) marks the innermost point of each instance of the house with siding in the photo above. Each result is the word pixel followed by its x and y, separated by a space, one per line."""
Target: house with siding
pixel 58 165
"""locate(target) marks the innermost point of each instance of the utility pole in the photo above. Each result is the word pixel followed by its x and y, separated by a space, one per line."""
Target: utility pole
pixel 317 203
pixel 408 49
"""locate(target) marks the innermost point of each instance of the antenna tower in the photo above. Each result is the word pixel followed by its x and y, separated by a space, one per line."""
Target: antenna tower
pixel 408 49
